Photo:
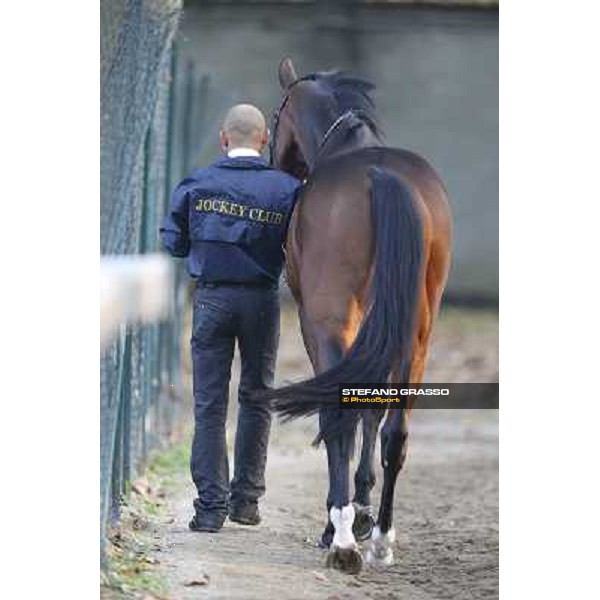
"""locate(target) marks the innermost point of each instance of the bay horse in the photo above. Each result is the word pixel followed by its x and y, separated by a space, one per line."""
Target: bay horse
pixel 367 259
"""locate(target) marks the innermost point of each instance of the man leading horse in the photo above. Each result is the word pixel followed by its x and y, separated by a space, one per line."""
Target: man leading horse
pixel 368 255
pixel 230 220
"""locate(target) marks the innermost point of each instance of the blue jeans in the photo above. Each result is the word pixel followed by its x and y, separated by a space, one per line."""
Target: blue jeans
pixel 222 315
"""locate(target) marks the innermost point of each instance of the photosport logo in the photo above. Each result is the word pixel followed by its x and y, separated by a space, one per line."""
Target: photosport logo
pixel 424 395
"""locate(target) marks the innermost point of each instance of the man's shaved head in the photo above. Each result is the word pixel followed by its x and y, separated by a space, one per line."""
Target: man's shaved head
pixel 244 125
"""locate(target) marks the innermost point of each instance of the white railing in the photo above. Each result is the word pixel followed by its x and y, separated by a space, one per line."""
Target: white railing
pixel 133 288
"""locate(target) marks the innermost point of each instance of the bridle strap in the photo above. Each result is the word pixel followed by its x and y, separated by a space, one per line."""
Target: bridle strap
pixel 332 128
pixel 277 114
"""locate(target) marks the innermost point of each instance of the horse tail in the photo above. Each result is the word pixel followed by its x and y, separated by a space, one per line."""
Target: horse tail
pixel 387 331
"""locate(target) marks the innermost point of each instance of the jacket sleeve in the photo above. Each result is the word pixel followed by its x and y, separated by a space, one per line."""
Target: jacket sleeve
pixel 175 232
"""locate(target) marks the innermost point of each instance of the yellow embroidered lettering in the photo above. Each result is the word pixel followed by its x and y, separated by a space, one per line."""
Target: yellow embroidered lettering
pixel 255 213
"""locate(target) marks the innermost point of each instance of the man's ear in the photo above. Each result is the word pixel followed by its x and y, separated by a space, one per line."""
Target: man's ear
pixel 287 73
pixel 264 140
pixel 224 140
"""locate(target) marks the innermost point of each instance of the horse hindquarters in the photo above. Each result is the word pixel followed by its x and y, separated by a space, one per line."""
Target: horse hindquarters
pixel 387 337
pixel 384 337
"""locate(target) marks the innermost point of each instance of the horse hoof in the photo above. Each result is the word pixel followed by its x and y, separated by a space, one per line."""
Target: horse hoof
pixel 363 522
pixel 346 560
pixel 381 553
pixel 382 558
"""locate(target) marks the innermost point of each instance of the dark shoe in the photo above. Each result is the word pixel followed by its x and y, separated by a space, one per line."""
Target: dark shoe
pixel 246 514
pixel 211 522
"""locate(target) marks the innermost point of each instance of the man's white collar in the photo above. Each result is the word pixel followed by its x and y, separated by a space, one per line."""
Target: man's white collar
pixel 238 152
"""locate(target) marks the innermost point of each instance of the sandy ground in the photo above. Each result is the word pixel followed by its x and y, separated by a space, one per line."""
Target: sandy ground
pixel 446 504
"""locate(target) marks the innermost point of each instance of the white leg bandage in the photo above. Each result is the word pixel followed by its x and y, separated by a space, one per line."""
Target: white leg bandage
pixel 342 522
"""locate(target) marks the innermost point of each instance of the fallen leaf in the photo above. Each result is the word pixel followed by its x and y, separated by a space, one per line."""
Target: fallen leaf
pixel 139 522
pixel 202 580
pixel 140 486
pixel 320 576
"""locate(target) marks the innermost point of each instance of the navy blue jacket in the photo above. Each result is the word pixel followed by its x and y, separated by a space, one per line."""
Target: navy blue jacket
pixel 230 221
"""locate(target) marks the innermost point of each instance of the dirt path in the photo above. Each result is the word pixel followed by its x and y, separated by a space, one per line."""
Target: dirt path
pixel 446 510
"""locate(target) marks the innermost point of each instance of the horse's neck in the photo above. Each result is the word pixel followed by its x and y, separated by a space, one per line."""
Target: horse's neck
pixel 361 136
pixel 364 138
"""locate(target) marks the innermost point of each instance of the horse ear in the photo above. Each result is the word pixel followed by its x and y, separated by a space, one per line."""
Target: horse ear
pixel 287 73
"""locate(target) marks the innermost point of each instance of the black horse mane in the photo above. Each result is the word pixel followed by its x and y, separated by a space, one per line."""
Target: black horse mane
pixel 350 93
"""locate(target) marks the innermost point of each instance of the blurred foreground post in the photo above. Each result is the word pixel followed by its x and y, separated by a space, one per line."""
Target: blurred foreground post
pixel 133 289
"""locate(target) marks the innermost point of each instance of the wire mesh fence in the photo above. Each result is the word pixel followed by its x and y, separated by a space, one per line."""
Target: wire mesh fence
pixel 136 90
pixel 150 132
